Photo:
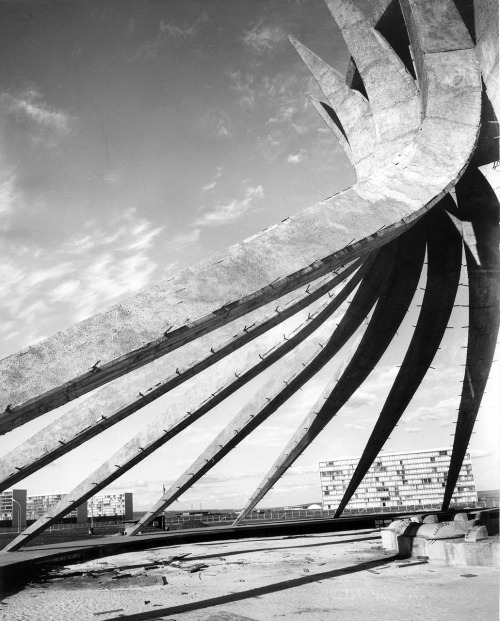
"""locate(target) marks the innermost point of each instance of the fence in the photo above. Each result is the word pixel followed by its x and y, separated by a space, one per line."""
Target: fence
pixel 284 514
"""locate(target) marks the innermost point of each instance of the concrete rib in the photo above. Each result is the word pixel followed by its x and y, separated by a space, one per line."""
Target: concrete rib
pixel 157 435
pixel 478 204
pixel 241 278
pixel 384 323
pixel 262 405
pixel 444 251
pixel 125 396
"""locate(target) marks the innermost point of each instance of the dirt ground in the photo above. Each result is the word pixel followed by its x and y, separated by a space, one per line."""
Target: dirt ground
pixel 345 576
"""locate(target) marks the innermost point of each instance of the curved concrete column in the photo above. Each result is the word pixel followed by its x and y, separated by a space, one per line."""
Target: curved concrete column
pixel 127 395
pixel 287 379
pixel 383 325
pixel 273 394
pixel 183 412
pixel 444 251
pixel 478 204
pixel 304 247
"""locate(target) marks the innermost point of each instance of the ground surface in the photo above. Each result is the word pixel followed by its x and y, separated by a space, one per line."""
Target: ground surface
pixel 345 576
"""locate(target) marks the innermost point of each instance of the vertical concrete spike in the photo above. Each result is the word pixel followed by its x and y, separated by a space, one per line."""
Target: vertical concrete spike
pixel 353 111
pixel 392 92
pixel 330 118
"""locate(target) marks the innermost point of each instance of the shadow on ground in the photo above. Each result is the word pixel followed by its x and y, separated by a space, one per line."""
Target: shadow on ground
pixel 257 592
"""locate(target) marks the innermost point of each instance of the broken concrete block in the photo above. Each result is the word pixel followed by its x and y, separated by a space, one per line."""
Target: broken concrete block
pixel 476 533
pixel 431 519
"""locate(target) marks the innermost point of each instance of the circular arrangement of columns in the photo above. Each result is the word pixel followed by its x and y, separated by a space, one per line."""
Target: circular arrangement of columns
pixel 412 117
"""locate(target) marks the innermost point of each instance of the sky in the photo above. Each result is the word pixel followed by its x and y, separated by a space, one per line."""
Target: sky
pixel 138 137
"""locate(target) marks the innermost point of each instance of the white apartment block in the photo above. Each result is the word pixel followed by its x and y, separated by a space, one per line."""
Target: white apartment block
pixel 17 507
pixel 112 505
pixel 408 479
pixel 13 507
pixel 36 506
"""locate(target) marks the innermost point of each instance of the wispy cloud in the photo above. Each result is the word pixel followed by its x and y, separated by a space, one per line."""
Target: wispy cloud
pixel 180 33
pixel 243 84
pixel 168 31
pixel 30 106
pixel 414 429
pixel 296 158
pixel 187 238
pixel 217 122
pixel 80 277
pixel 263 38
pixel 353 426
pixel 211 185
pixel 8 198
pixel 224 213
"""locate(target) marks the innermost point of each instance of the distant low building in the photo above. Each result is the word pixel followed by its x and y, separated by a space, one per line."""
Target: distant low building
pixel 112 506
pixel 37 506
pixel 13 508
pixel 408 479
pixel 15 505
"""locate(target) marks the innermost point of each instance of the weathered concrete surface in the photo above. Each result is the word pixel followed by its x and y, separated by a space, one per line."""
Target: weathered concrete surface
pixel 455 552
pixel 478 204
pixel 486 31
pixel 444 251
pixel 202 354
pixel 179 416
pixel 391 90
pixel 356 131
pixel 128 394
pixel 383 325
pixel 303 247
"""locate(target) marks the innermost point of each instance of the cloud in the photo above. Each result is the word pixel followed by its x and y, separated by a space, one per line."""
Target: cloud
pixel 8 198
pixel 361 398
pixel 80 277
pixel 243 85
pixel 168 31
pixel 217 122
pixel 285 114
pixel 264 38
pixel 479 453
pixel 224 213
pixel 211 185
pixel 353 426
pixel 30 106
pixel 414 429
pixel 296 158
pixel 180 241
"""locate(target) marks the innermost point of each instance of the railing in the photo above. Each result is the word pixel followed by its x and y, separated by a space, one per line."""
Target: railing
pixel 215 518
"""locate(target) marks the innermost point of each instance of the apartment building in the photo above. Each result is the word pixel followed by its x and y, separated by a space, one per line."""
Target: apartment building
pixel 13 508
pixel 112 506
pixel 406 479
